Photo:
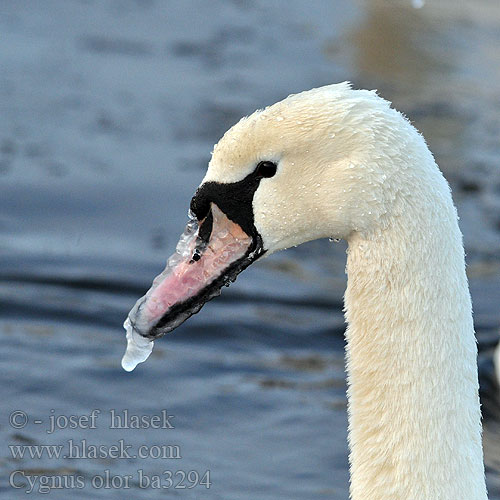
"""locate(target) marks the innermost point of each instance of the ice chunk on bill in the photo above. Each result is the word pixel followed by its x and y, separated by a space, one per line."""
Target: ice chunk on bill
pixel 138 348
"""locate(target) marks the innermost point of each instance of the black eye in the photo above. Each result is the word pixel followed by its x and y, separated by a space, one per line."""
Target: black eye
pixel 266 169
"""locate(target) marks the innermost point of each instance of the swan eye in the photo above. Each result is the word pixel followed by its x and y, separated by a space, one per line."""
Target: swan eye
pixel 266 169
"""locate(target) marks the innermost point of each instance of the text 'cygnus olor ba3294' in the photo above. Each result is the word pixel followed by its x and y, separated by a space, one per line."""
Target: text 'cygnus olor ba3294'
pixel 336 162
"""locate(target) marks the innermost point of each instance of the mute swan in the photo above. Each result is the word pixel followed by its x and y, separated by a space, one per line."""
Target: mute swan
pixel 341 163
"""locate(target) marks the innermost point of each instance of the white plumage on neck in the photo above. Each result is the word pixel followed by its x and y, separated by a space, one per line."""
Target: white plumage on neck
pixel 414 414
pixel 414 418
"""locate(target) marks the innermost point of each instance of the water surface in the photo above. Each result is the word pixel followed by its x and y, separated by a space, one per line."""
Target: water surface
pixel 108 113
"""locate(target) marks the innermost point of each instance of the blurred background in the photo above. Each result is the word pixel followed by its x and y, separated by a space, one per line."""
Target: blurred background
pixel 108 113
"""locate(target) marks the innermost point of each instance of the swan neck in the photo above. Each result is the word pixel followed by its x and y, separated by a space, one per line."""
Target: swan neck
pixel 414 415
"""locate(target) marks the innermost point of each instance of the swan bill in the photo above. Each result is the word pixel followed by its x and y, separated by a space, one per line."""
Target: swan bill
pixel 219 242
pixel 210 254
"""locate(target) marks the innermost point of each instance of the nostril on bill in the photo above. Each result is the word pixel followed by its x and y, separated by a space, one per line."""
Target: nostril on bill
pixel 203 238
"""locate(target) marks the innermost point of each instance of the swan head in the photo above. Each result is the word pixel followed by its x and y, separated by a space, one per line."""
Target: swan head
pixel 314 165
pixel 321 144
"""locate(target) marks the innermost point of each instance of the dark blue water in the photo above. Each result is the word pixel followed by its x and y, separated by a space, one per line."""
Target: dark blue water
pixel 108 113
